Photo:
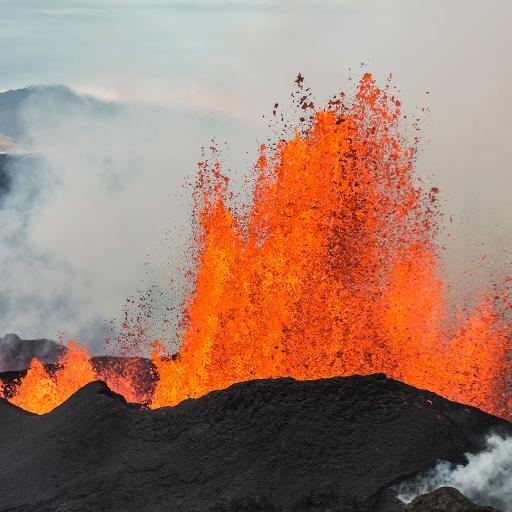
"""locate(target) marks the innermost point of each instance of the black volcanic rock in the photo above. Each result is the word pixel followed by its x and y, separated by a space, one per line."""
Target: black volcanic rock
pixel 5 176
pixel 445 499
pixel 268 445
pixel 11 414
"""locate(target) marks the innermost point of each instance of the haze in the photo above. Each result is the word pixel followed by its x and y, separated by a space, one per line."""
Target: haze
pixel 77 238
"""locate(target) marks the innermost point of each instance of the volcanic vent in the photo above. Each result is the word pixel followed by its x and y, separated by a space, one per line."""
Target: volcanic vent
pixel 333 271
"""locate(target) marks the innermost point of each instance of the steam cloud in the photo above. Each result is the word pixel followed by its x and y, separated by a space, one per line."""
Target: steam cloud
pixel 101 212
pixel 82 219
pixel 486 479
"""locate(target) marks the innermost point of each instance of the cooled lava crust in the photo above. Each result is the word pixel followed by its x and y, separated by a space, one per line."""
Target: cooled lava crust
pixel 266 445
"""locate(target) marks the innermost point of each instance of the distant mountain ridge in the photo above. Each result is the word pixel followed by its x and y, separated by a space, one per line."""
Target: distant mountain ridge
pixel 16 155
pixel 13 101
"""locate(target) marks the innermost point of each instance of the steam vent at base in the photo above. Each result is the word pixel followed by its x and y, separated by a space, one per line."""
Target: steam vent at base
pixel 336 444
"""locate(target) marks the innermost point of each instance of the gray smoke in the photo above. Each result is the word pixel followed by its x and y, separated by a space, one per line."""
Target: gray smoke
pixel 16 354
pixel 100 213
pixel 486 478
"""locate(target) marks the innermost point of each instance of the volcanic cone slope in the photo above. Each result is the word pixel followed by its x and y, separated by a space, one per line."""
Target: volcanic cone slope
pixel 265 445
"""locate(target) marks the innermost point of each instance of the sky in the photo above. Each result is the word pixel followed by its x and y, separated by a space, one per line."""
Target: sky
pixel 197 70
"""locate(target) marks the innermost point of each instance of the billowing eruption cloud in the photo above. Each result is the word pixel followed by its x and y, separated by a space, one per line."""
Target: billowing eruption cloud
pixel 486 478
pixel 81 219
pixel 332 270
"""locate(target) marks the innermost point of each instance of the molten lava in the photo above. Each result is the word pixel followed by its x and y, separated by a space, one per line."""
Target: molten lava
pixel 333 272
pixel 40 392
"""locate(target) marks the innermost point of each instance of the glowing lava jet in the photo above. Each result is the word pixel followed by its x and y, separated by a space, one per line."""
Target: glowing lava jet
pixel 332 272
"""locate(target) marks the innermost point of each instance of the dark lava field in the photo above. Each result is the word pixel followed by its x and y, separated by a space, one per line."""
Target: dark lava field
pixel 336 444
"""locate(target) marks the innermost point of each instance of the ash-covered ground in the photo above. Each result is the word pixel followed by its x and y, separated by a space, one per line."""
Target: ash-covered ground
pixel 332 445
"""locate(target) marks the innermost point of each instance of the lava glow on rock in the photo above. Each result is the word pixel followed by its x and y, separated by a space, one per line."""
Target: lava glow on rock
pixel 332 272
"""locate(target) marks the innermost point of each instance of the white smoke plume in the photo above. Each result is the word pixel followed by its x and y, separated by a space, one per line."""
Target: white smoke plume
pixel 100 212
pixel 486 479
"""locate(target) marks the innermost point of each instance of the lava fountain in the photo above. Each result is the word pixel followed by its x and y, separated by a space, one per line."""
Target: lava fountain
pixel 332 272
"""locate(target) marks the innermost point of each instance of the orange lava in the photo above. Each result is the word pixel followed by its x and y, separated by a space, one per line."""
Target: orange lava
pixel 333 272
pixel 37 392
pixel 40 392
